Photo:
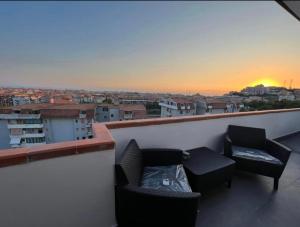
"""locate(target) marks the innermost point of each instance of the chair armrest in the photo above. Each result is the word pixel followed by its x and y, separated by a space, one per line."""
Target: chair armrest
pixel 227 146
pixel 162 156
pixel 157 208
pixel 278 150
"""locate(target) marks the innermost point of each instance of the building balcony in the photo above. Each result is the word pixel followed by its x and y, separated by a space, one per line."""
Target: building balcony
pixel 28 135
pixel 72 183
pixel 12 126
pixel 19 116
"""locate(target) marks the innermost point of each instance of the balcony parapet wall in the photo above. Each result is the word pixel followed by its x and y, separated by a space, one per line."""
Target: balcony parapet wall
pixel 103 139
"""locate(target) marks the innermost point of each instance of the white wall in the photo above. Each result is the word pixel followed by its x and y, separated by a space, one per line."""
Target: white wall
pixel 76 190
pixel 60 129
pixel 208 133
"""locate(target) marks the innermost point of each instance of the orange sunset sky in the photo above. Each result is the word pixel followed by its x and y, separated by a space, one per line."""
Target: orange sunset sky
pixel 181 47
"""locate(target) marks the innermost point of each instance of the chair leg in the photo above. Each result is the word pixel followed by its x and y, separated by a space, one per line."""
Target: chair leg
pixel 276 182
pixel 229 183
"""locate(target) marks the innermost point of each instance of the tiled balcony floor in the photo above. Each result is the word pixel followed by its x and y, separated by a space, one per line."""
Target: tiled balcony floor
pixel 251 201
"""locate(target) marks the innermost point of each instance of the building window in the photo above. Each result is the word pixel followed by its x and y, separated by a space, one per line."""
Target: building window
pixel 82 121
pixel 77 138
pixel 83 137
pixel 76 121
pixel 112 115
pixel 82 129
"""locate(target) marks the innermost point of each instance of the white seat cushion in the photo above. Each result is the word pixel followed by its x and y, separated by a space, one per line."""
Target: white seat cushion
pixel 168 178
pixel 254 154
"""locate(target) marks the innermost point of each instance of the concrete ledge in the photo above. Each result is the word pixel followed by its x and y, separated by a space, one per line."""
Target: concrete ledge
pixel 171 120
pixel 102 141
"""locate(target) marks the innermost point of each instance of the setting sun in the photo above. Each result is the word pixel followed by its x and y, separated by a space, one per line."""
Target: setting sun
pixel 266 82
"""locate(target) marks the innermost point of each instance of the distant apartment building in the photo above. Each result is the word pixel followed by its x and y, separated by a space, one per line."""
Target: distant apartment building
pixel 21 100
pixel 111 112
pixel 86 99
pixel 286 95
pixel 132 112
pixel 21 127
pixel 297 94
pixel 98 98
pixel 254 99
pixel 44 99
pixel 34 124
pixel 106 113
pixel 171 107
pixel 62 99
pixel 256 90
pixel 272 90
pixel 216 106
pixel 6 100
pixel 133 100
pixel 201 107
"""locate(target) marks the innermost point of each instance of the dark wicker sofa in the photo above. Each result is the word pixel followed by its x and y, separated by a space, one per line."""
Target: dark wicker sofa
pixel 253 152
pixel 138 206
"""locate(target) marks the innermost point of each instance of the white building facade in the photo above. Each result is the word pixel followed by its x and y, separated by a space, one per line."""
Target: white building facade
pixel 176 107
pixel 45 124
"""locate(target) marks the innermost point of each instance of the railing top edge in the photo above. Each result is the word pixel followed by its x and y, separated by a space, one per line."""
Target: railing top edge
pixel 170 120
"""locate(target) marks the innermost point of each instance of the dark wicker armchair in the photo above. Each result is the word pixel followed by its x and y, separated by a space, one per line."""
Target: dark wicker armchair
pixel 253 152
pixel 137 206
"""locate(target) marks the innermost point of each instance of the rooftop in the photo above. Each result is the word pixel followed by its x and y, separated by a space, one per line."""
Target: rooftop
pixel 53 110
pixel 53 179
pixel 132 107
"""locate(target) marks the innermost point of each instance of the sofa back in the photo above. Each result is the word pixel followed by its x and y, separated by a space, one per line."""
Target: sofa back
pixel 247 136
pixel 130 165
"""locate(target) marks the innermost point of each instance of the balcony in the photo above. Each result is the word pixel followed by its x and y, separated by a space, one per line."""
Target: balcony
pixel 19 116
pixel 72 183
pixel 12 126
pixel 28 135
pixel 33 135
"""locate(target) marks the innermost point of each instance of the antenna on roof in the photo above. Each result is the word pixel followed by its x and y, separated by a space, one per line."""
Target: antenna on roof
pixel 284 83
pixel 291 83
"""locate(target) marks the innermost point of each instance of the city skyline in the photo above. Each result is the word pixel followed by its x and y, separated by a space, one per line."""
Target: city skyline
pixel 202 47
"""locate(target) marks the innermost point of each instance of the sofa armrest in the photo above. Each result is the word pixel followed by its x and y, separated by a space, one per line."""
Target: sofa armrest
pixel 278 150
pixel 227 146
pixel 162 156
pixel 138 206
